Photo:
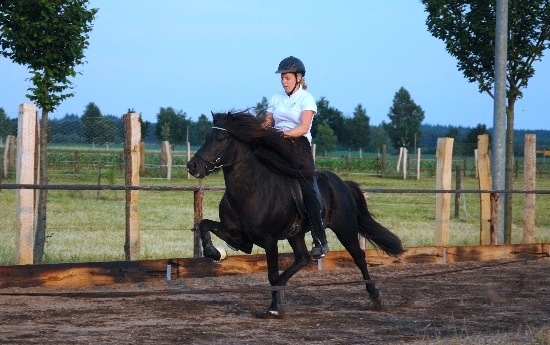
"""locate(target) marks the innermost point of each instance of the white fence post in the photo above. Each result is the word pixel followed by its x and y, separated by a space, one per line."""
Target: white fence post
pixel 26 174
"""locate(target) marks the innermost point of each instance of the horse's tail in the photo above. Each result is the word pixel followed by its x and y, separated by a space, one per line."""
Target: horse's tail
pixel 373 231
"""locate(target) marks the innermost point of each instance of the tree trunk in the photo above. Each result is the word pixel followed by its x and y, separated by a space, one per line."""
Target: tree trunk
pixel 509 174
pixel 40 235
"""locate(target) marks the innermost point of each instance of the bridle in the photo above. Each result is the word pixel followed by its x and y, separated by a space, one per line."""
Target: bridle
pixel 213 164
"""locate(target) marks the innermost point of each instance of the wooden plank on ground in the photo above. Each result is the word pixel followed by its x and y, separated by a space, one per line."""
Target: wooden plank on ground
pixel 70 275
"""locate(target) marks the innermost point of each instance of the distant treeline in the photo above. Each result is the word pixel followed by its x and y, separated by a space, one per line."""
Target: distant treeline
pixel 72 129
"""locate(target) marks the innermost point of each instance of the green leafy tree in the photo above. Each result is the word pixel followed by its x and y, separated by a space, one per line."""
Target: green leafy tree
pixel 261 108
pixel 359 128
pixel 325 140
pixel 66 130
pixel 177 123
pixel 471 136
pixel 467 27
pixel 99 129
pixel 91 128
pixel 453 132
pixel 5 124
pixel 405 120
pixel 49 37
pixel 202 127
pixel 330 116
pixel 379 137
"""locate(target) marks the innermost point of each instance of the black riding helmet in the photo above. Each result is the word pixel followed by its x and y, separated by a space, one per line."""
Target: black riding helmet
pixel 292 65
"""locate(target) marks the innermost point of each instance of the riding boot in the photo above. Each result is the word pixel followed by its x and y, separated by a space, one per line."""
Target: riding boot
pixel 313 210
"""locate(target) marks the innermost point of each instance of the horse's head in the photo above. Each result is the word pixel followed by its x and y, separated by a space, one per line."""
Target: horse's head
pixel 228 129
pixel 209 157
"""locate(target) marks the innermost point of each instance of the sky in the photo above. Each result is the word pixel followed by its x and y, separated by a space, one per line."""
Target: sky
pixel 219 55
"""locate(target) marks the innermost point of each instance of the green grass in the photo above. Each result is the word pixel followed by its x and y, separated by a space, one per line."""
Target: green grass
pixel 90 225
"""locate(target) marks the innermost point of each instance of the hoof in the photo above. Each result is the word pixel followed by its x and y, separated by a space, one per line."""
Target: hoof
pixel 223 253
pixel 213 253
pixel 273 313
pixel 377 302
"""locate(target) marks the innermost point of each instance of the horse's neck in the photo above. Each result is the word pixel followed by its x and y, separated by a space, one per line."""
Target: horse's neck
pixel 248 173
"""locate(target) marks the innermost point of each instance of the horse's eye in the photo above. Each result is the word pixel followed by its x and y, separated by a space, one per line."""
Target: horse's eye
pixel 220 139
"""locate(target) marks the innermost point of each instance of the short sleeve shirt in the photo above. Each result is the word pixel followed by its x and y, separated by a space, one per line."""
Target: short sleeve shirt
pixel 287 110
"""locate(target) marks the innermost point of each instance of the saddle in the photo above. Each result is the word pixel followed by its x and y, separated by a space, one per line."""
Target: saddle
pixel 297 197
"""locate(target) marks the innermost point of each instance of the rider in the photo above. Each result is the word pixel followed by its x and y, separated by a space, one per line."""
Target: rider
pixel 292 113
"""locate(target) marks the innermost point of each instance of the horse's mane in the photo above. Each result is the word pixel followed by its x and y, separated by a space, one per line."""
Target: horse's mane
pixel 268 144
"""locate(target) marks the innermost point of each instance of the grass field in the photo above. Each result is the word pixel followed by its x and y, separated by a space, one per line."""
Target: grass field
pixel 90 225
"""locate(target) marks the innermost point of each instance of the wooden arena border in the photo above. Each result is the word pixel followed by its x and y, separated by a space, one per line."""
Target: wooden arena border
pixel 70 275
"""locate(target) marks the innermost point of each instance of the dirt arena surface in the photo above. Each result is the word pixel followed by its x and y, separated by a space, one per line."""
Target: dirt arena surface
pixel 424 303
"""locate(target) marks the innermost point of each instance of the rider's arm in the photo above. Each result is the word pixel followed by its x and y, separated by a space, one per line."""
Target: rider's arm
pixel 303 127
pixel 268 120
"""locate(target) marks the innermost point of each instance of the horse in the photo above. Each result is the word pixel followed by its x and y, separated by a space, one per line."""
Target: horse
pixel 261 203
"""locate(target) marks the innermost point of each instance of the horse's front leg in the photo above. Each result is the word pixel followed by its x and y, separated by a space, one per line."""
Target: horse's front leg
pixel 233 239
pixel 208 249
pixel 272 258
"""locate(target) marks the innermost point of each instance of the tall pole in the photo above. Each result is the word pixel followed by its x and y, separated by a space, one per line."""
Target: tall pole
pixel 498 151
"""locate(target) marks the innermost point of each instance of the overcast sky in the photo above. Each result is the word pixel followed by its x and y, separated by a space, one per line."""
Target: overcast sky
pixel 203 56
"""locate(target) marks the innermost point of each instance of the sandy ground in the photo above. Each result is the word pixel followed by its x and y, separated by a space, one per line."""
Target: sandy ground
pixel 423 303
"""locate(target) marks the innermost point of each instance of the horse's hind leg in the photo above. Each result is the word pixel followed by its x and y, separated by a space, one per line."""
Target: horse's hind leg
pixel 350 241
pixel 301 259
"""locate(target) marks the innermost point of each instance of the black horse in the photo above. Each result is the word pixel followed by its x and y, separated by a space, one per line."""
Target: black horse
pixel 261 203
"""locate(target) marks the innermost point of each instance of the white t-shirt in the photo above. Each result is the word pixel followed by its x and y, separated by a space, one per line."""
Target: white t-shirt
pixel 287 111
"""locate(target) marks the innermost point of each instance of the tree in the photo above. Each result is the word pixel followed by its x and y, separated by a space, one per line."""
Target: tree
pixel 325 140
pixel 200 128
pixel 453 132
pixel 471 136
pixel 66 130
pixel 379 137
pixel 468 29
pixel 405 120
pixel 90 120
pixel 49 37
pixel 359 128
pixel 261 108
pixel 176 122
pixel 5 124
pixel 329 116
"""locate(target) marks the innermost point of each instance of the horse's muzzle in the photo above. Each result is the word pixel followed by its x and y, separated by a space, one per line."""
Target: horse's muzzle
pixel 194 169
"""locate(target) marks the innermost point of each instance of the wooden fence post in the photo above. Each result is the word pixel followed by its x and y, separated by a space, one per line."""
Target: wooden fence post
pixel 26 173
pixel 443 182
pixel 9 155
pixel 399 159
pixel 166 158
pixel 458 187
pixel 198 197
pixel 132 138
pixel 405 161
pixel 485 183
pixel 383 167
pixel 188 158
pixel 529 181
pixel 141 157
pixel 418 151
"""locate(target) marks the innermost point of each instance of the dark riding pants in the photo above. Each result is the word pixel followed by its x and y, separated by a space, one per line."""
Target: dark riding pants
pixel 308 184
